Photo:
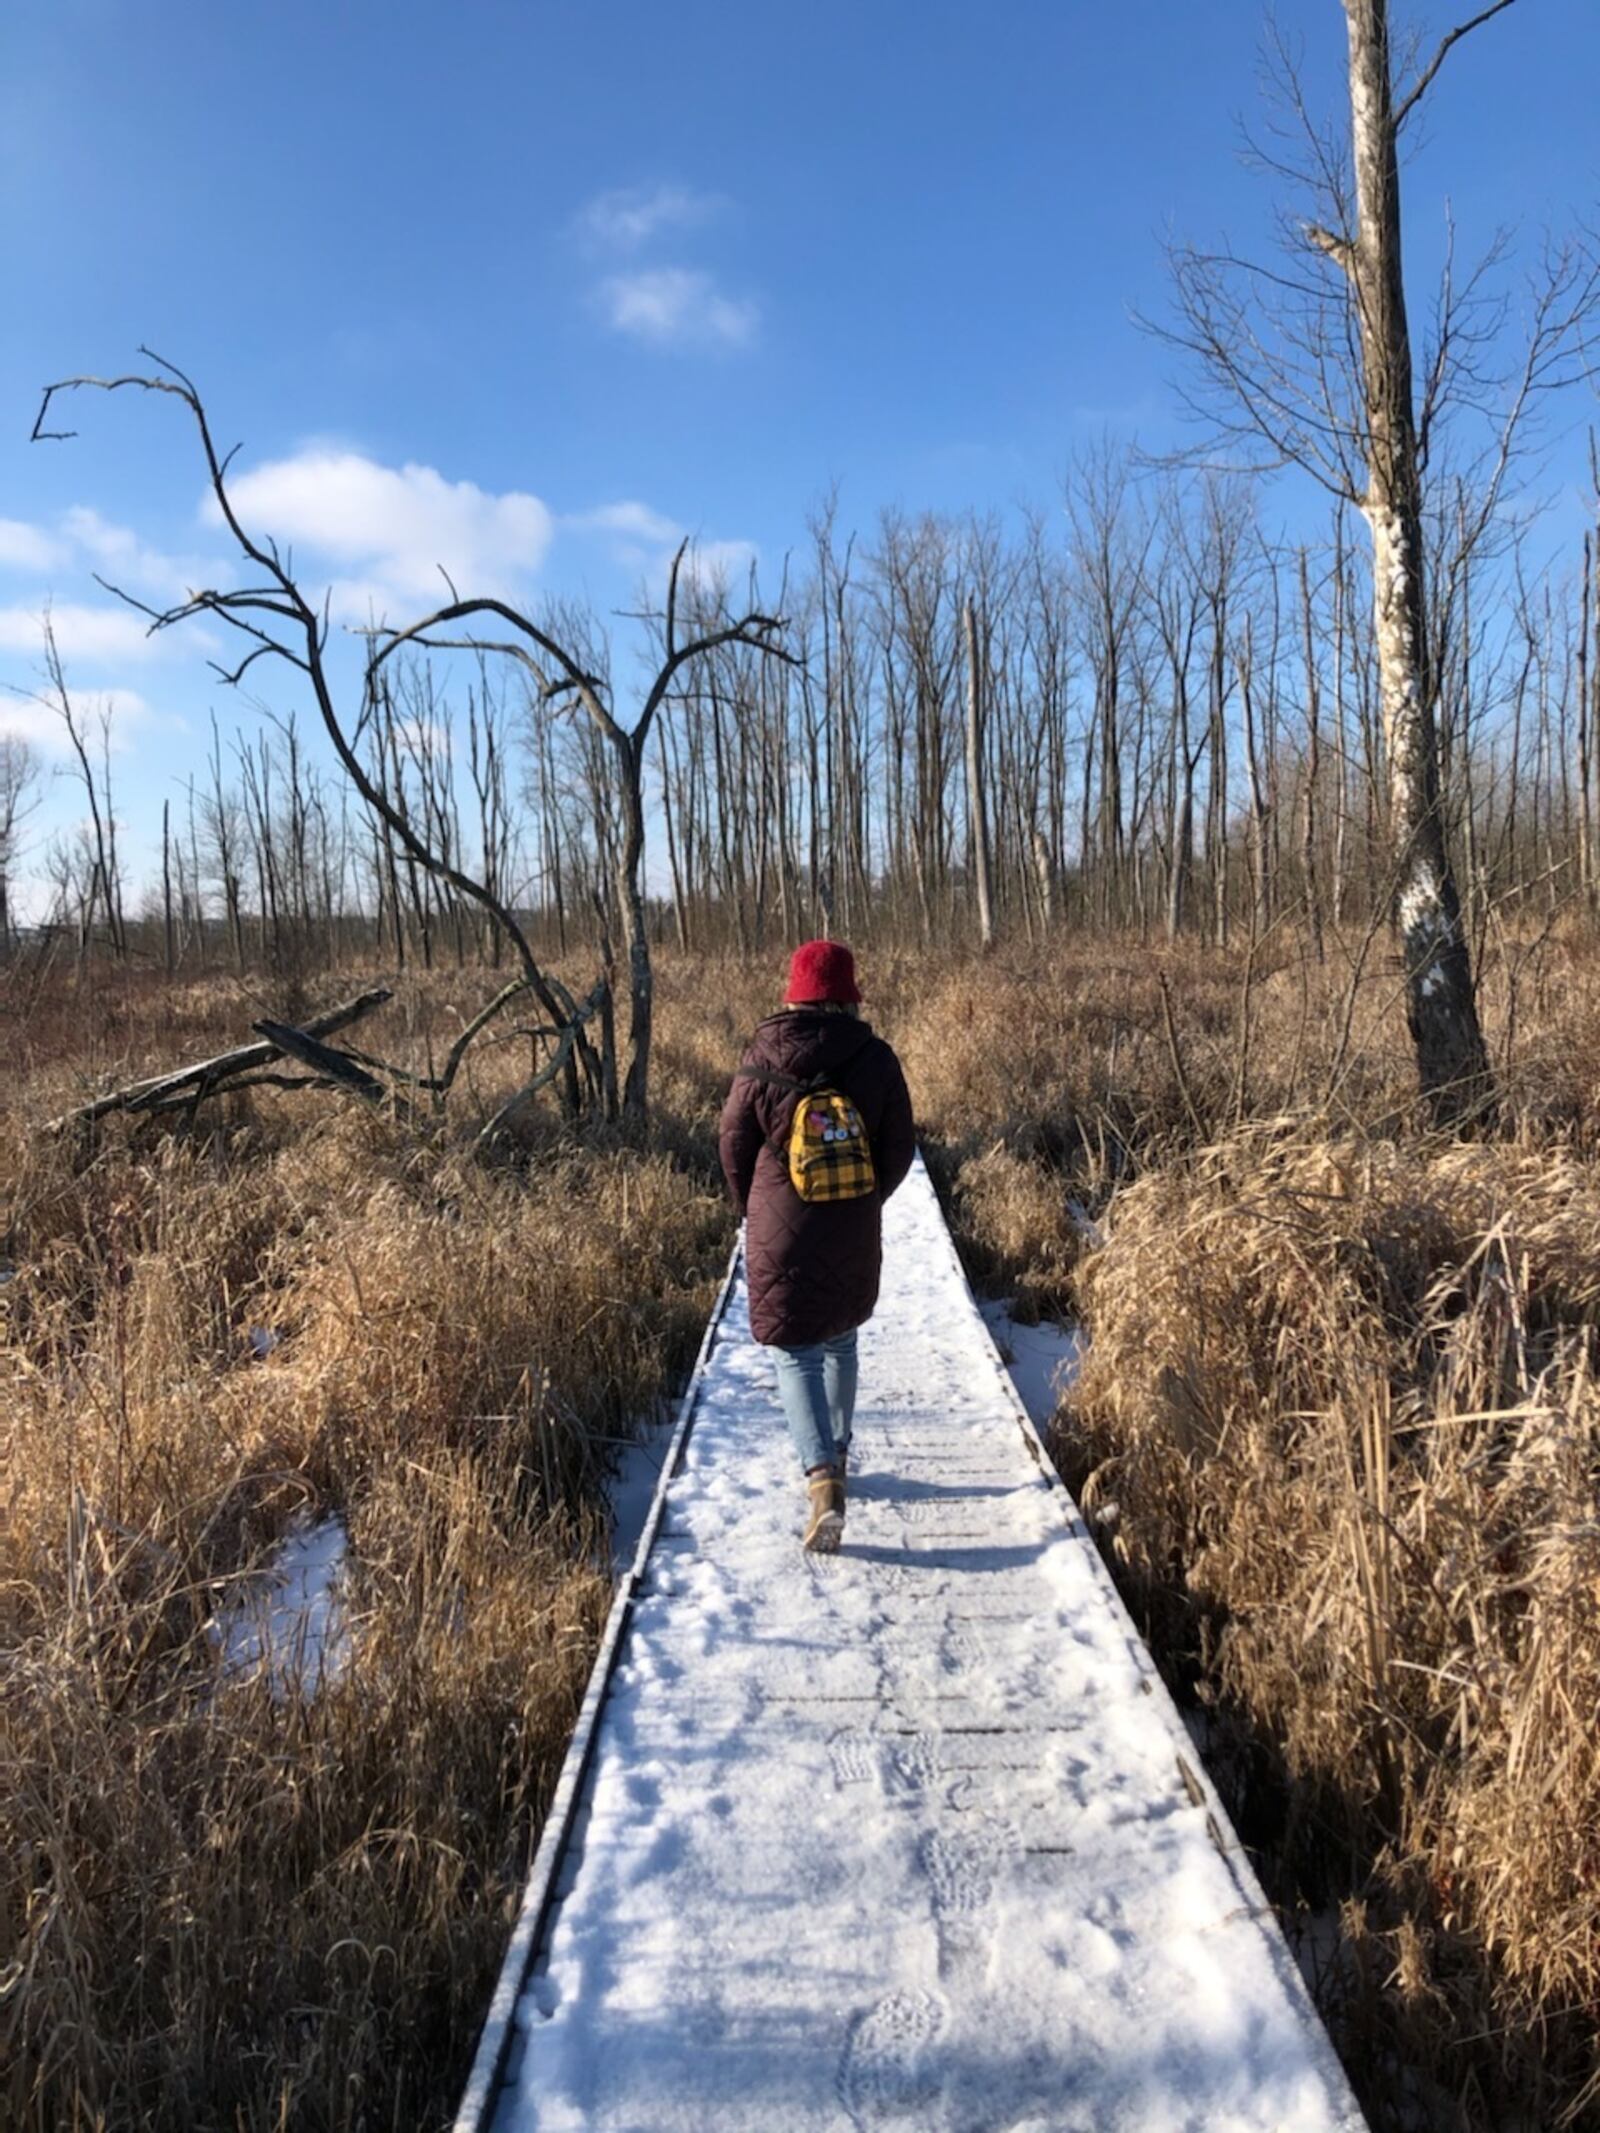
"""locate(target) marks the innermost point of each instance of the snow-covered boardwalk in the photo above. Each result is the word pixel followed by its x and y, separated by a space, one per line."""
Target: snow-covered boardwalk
pixel 906 1837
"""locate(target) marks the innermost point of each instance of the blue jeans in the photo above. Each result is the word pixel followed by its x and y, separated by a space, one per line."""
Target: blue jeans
pixel 817 1385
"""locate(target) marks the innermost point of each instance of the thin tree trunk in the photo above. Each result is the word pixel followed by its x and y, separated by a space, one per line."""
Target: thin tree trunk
pixel 166 885
pixel 977 799
pixel 630 898
pixel 1258 807
pixel 1308 829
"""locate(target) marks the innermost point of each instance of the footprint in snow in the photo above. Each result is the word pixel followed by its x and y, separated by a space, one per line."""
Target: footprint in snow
pixel 912 1765
pixel 888 2076
pixel 900 1764
pixel 962 1868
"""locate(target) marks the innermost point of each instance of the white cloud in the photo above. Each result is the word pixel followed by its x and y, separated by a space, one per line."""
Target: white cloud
pixel 641 538
pixel 424 736
pixel 393 528
pixel 678 307
pixel 23 720
pixel 663 306
pixel 26 718
pixel 95 634
pixel 113 548
pixel 84 541
pixel 121 556
pixel 630 521
pixel 627 217
pixel 25 547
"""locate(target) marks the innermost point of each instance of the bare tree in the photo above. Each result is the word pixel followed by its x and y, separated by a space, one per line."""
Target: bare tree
pixel 564 676
pixel 1441 1003
pixel 103 884
pixel 19 796
pixel 274 619
pixel 1312 364
pixel 1111 541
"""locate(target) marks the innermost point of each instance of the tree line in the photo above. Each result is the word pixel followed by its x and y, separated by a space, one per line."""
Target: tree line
pixel 1137 712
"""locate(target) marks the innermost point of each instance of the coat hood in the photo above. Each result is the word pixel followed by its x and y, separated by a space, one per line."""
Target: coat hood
pixel 800 1042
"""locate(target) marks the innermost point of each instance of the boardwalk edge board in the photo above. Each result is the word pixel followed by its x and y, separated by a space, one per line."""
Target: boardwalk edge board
pixel 499 2028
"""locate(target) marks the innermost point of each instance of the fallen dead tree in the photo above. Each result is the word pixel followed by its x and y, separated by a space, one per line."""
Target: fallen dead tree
pixel 207 1077
pixel 375 1081
pixel 328 1065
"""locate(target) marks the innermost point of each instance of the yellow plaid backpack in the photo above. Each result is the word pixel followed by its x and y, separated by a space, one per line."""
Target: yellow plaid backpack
pixel 828 1153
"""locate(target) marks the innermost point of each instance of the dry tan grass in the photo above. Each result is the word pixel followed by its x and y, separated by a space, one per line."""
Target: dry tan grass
pixel 1339 1389
pixel 222 1909
pixel 1338 1423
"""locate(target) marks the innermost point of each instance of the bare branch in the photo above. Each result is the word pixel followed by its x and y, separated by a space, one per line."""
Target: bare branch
pixel 1339 249
pixel 479 1022
pixel 586 685
pixel 672 596
pixel 1425 80
pixel 570 1034
pixel 756 630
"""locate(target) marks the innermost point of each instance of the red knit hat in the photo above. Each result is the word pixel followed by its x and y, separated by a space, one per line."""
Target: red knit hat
pixel 823 970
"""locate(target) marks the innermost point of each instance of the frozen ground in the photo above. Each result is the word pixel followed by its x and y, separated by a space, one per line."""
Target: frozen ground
pixel 1041 1359
pixel 290 1620
pixel 631 1490
pixel 908 1837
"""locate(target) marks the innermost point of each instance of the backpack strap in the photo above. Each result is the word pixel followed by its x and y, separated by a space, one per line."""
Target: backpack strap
pixel 789 1085
pixel 775 1080
pixel 787 1082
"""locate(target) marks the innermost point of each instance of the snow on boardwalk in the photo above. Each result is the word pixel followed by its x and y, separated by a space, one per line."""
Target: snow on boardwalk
pixel 907 1837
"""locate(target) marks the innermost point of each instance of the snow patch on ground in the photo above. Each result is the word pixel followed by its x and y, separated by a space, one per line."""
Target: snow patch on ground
pixel 1042 1359
pixel 289 1621
pixel 631 1489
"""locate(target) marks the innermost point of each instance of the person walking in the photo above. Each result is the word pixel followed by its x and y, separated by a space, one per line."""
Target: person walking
pixel 816 1134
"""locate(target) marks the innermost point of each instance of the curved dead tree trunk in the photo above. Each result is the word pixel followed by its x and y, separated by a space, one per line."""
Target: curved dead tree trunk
pixel 276 621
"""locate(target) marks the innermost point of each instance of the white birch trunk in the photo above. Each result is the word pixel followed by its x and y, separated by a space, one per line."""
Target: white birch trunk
pixel 977 799
pixel 1441 1005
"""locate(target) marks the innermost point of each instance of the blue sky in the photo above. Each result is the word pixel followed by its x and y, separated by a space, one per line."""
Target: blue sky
pixel 531 288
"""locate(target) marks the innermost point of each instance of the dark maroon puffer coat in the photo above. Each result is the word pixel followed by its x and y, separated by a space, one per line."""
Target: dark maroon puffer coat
pixel 812 1265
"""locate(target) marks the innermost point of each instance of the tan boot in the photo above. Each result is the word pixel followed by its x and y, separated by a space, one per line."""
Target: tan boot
pixel 826 1524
